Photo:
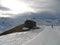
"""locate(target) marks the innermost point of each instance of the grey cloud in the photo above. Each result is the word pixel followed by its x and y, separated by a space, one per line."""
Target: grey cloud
pixel 4 8
pixel 52 5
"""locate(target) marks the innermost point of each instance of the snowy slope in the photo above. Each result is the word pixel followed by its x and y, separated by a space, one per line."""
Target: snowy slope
pixel 43 36
pixel 47 37
pixel 20 38
pixel 8 23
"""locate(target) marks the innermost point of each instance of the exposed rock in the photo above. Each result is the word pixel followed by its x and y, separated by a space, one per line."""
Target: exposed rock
pixel 30 24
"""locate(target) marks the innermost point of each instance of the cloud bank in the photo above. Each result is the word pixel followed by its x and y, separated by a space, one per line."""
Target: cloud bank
pixel 42 5
pixel 4 8
pixel 52 6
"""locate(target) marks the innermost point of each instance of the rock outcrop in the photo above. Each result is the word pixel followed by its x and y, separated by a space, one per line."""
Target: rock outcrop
pixel 28 24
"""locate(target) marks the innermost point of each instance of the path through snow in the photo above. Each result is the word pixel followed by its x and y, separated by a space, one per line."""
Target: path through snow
pixel 50 36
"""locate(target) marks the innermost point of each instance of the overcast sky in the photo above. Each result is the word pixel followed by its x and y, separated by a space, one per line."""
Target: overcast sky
pixel 51 5
pixel 38 5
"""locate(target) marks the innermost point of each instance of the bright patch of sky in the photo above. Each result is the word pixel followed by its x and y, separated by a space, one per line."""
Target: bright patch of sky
pixel 16 6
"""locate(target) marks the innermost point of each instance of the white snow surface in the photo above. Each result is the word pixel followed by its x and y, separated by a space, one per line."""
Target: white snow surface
pixel 20 38
pixel 47 37
pixel 43 36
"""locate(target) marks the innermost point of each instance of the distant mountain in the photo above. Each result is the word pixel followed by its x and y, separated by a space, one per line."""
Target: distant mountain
pixel 45 18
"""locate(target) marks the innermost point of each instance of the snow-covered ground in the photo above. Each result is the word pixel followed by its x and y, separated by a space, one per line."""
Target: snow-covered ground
pixel 43 36
pixel 47 37
pixel 20 38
